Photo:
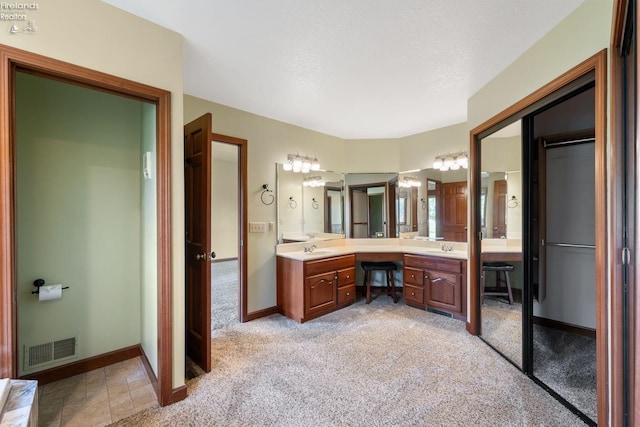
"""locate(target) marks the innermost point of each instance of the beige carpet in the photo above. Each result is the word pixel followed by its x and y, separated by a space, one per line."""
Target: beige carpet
pixel 381 364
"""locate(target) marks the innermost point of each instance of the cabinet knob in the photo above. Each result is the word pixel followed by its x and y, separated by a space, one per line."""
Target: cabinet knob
pixel 413 276
pixel 426 276
pixel 348 293
pixel 413 294
pixel 348 276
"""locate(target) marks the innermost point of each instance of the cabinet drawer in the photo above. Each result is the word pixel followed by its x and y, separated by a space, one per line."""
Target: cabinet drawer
pixel 433 263
pixel 346 294
pixel 346 276
pixel 413 276
pixel 328 264
pixel 413 294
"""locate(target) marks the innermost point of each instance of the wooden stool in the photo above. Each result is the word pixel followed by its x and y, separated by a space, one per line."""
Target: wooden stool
pixel 498 267
pixel 389 268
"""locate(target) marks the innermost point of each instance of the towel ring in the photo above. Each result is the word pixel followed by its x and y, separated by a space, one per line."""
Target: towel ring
pixel 314 204
pixel 265 189
pixel 513 202
pixel 292 203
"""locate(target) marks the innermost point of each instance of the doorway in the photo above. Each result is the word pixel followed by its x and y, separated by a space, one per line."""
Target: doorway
pixel 16 61
pixel 206 233
pixel 589 74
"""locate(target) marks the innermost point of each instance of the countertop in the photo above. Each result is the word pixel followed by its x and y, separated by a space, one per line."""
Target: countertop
pixel 332 248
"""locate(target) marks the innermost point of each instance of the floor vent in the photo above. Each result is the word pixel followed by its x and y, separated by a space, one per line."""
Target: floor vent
pixel 49 352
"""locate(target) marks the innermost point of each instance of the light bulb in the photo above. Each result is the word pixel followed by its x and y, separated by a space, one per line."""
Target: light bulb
pixel 315 164
pixel 448 162
pixel 287 167
pixel 437 163
pixel 455 166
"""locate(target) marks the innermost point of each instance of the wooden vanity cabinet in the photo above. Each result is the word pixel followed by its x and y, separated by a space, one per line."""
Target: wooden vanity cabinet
pixel 436 282
pixel 309 289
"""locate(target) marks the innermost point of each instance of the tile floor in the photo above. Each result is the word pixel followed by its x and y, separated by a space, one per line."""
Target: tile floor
pixel 96 398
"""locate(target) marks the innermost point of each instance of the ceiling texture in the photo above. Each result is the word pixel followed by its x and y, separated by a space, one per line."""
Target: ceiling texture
pixel 354 69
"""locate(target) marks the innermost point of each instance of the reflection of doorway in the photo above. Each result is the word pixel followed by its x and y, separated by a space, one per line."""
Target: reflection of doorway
pixel 500 209
pixel 367 210
pixel 454 211
pixel 333 212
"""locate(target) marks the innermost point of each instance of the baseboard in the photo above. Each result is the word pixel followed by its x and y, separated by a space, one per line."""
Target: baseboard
pixel 85 365
pixel 262 313
pixel 566 327
pixel 150 374
pixel 178 394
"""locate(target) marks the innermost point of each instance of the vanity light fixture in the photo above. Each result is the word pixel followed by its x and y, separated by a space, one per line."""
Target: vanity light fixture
pixel 451 161
pixel 313 181
pixel 298 163
pixel 409 181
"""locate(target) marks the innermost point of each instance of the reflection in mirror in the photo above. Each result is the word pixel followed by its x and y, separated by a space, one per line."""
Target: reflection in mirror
pixel 501 225
pixel 439 205
pixel 309 205
pixel 371 204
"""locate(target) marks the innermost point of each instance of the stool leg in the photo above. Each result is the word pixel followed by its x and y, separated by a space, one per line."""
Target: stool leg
pixel 390 277
pixel 506 277
pixel 367 284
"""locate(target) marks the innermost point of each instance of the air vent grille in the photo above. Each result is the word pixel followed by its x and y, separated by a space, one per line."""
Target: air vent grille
pixel 49 352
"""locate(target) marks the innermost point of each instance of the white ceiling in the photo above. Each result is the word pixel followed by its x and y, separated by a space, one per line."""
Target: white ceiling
pixel 350 68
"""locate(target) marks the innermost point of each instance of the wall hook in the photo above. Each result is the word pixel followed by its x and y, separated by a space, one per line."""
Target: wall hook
pixel 265 189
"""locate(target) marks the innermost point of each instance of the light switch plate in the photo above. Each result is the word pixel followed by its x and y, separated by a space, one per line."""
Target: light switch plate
pixel 257 227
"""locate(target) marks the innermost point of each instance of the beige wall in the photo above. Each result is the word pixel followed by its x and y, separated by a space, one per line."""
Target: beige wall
pixel 98 36
pixel 269 142
pixel 579 36
pixel 224 206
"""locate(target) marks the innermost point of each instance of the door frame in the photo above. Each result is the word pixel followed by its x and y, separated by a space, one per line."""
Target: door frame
pixel 625 381
pixel 243 251
pixel 598 65
pixel 13 60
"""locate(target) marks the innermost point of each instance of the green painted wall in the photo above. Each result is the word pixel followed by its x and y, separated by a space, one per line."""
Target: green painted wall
pixel 78 216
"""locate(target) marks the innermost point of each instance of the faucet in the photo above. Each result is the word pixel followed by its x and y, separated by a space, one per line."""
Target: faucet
pixel 447 248
pixel 309 249
pixel 311 235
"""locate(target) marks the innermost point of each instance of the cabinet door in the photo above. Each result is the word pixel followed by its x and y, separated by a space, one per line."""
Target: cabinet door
pixel 443 290
pixel 320 292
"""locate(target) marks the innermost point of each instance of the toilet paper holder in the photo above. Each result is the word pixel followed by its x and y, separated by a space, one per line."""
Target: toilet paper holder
pixel 40 282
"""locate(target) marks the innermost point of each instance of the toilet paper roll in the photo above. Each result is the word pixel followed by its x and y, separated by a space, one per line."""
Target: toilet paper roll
pixel 50 292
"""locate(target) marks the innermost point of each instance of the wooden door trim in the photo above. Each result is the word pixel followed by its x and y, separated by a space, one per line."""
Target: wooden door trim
pixel 597 64
pixel 13 60
pixel 243 150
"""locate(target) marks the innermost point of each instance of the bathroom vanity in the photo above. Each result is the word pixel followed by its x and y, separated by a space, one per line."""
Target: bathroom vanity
pixel 314 283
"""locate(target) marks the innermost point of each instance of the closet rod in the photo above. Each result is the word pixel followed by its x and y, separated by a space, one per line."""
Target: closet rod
pixel 568 245
pixel 568 142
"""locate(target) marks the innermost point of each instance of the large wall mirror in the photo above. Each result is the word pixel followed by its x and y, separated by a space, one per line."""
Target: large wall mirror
pixel 309 205
pixel 501 226
pixel 432 204
pixel 371 204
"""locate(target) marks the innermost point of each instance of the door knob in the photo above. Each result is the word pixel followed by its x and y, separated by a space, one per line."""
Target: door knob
pixel 205 256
